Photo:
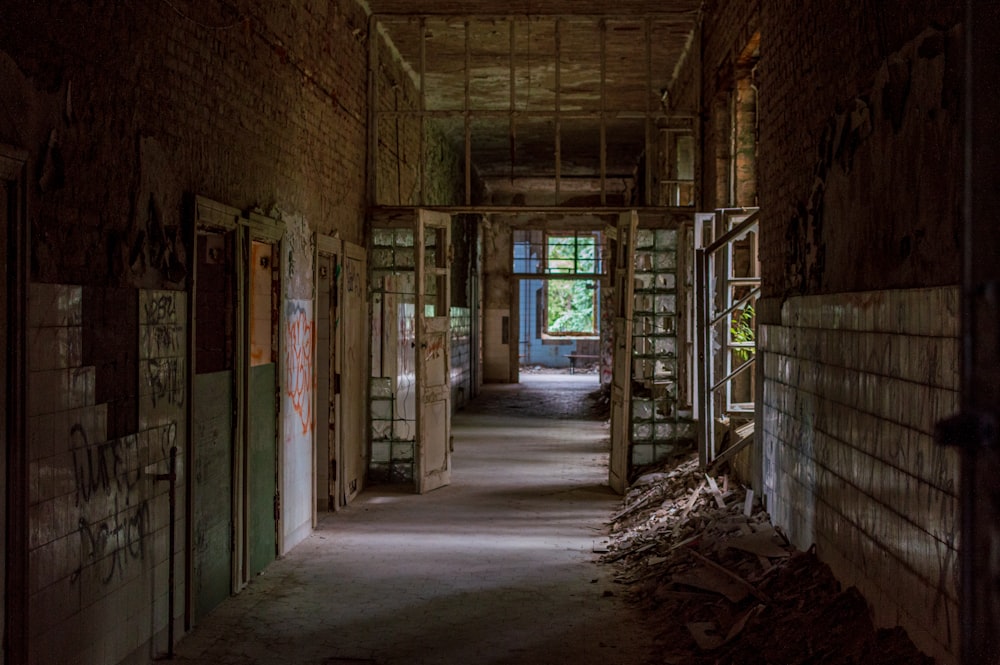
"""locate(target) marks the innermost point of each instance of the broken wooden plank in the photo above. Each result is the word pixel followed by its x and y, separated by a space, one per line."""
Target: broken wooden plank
pixel 625 553
pixel 763 543
pixel 713 487
pixel 710 579
pixel 751 589
pixel 691 501
pixel 705 634
pixel 741 622
pixel 731 451
pixel 748 503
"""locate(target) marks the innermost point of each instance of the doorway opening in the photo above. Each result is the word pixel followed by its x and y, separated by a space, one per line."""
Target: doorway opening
pixel 558 276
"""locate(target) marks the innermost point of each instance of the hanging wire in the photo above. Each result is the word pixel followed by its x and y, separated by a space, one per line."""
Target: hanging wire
pixel 184 16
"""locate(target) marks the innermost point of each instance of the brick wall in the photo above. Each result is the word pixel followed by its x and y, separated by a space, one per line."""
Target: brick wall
pixel 728 29
pixel 855 384
pixel 127 111
pixel 858 180
pixel 859 155
pixel 398 157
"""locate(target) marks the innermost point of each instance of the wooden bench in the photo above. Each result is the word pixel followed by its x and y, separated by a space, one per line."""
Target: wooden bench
pixel 574 357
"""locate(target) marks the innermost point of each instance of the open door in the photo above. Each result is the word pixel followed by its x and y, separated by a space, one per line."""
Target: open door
pixel 350 380
pixel 215 424
pixel 621 373
pixel 433 244
pixel 261 456
pixel 327 450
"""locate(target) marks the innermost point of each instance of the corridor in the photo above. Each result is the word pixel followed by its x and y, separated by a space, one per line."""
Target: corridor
pixel 495 568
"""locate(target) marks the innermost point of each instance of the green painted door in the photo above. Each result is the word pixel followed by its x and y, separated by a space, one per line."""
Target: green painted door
pixel 262 470
pixel 212 425
pixel 213 488
pixel 261 450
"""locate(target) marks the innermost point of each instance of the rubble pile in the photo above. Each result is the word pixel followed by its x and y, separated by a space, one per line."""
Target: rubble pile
pixel 723 586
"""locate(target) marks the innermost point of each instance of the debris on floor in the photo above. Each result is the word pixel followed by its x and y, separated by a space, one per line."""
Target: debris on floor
pixel 724 586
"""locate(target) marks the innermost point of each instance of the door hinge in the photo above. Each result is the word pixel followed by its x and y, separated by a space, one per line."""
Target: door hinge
pixel 277 506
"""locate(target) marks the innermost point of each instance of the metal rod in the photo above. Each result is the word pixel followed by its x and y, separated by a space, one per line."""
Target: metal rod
pixel 373 112
pixel 512 102
pixel 544 276
pixel 648 198
pixel 706 419
pixel 735 232
pixel 468 118
pixel 558 105
pixel 171 477
pixel 611 113
pixel 737 305
pixel 669 18
pixel 536 209
pixel 732 375
pixel 422 105
pixel 604 103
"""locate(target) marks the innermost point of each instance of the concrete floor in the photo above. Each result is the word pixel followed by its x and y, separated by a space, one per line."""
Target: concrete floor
pixel 495 568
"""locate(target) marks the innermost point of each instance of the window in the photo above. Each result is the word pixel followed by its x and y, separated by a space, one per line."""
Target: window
pixel 571 254
pixel 570 307
pixel 571 304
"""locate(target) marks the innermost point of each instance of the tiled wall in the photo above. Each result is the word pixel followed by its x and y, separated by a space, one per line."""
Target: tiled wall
pixel 853 386
pixel 99 518
pixel 461 356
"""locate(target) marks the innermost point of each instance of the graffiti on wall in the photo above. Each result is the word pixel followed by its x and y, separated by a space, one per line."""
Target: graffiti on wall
pixel 299 379
pixel 162 347
pixel 118 497
pixel 114 497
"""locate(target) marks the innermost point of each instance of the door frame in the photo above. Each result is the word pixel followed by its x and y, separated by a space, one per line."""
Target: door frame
pixel 213 216
pixel 330 247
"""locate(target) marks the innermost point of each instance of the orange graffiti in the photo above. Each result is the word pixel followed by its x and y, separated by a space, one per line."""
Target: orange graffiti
pixel 299 364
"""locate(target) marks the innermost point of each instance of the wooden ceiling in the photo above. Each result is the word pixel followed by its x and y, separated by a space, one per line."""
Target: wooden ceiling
pixel 542 80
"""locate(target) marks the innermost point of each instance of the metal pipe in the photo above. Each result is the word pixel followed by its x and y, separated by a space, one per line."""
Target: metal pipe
pixel 171 477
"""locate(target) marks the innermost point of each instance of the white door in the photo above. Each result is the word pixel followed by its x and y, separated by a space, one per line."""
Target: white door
pixel 433 243
pixel 621 372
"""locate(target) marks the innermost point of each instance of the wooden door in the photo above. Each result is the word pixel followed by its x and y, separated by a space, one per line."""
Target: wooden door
pixel 433 246
pixel 621 373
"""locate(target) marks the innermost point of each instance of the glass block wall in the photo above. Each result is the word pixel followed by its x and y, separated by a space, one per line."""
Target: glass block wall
pixel 393 380
pixel 659 428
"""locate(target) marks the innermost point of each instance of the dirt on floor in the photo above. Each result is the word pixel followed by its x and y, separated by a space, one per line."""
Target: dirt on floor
pixel 722 586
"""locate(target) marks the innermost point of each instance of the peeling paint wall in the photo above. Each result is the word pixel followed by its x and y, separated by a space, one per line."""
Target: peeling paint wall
pixel 127 112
